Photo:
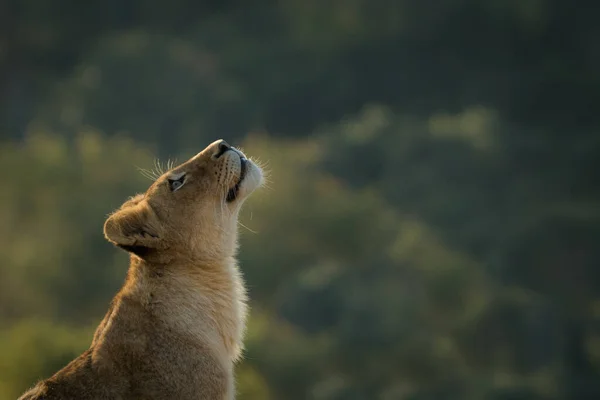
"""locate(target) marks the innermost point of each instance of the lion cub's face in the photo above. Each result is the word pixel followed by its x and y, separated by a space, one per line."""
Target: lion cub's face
pixel 190 211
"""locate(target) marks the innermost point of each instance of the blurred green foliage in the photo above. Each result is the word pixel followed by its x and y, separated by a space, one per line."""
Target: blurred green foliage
pixel 431 224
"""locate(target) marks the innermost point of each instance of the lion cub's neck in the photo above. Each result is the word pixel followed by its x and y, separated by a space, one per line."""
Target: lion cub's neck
pixel 206 301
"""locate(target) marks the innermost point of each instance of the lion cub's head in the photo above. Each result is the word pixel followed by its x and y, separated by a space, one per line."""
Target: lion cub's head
pixel 190 211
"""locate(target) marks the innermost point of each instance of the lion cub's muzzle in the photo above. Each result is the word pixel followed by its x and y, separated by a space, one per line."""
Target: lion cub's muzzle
pixel 234 167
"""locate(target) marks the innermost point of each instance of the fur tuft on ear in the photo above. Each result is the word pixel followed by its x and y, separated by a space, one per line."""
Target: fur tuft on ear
pixel 134 229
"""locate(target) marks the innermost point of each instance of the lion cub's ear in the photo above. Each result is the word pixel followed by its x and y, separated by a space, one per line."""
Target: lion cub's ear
pixel 134 229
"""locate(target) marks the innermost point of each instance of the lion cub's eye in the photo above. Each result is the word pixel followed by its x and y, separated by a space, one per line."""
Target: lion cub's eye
pixel 176 183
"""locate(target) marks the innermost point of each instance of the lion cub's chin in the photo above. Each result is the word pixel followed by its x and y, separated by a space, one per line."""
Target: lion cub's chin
pixel 253 180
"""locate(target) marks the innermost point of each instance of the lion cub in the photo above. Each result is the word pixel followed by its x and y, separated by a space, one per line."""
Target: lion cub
pixel 175 328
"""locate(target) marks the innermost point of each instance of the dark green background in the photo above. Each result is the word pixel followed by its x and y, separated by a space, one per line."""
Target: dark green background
pixel 430 229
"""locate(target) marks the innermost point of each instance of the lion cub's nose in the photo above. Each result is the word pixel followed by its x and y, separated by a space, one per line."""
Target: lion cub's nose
pixel 221 147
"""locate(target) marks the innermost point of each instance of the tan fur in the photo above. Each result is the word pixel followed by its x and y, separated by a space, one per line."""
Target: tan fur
pixel 175 329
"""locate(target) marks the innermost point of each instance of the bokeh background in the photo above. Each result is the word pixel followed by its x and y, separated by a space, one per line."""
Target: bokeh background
pixel 431 226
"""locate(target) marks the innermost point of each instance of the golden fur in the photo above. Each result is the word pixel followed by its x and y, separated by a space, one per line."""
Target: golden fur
pixel 175 329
